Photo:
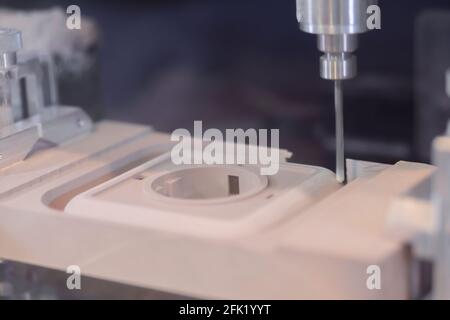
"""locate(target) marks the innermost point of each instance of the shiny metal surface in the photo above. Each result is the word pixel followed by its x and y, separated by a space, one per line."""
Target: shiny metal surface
pixel 337 23
pixel 338 66
pixel 337 43
pixel 340 154
pixel 333 16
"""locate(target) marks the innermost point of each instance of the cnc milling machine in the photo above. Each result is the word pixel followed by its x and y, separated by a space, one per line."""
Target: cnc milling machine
pixel 107 198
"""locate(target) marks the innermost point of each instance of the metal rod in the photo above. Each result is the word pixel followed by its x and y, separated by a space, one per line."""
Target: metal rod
pixel 340 151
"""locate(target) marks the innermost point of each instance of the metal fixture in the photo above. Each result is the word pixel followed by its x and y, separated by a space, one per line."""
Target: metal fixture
pixel 29 110
pixel 10 43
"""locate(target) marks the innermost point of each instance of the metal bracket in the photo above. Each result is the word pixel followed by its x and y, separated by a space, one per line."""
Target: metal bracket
pixel 28 100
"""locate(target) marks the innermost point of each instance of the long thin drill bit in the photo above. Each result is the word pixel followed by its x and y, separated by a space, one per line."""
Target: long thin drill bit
pixel 340 153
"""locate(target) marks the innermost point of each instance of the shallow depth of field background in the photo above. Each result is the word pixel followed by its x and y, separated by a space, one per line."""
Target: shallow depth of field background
pixel 245 64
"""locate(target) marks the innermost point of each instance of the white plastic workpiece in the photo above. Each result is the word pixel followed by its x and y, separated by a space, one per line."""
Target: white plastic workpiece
pixel 205 201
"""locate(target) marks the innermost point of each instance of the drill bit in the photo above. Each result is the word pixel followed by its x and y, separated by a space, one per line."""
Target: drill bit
pixel 339 117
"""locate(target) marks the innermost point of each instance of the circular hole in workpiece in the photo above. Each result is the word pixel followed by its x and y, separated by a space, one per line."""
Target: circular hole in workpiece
pixel 209 183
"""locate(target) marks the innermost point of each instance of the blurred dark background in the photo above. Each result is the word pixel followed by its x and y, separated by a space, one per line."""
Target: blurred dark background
pixel 244 63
